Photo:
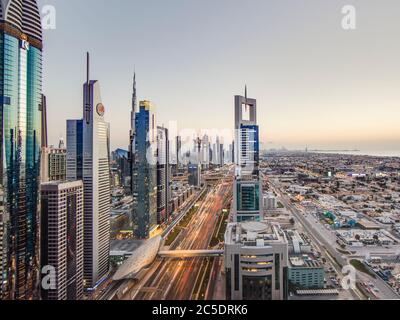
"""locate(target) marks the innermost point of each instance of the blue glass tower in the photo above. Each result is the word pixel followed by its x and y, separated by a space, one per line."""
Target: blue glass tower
pixel 144 184
pixel 20 136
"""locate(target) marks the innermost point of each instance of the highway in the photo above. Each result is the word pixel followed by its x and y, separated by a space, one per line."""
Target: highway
pixel 185 279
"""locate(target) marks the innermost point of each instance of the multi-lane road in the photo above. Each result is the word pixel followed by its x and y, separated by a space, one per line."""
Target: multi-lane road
pixel 327 242
pixel 189 278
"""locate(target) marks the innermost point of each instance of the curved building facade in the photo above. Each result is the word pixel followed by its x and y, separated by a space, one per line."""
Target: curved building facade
pixel 20 136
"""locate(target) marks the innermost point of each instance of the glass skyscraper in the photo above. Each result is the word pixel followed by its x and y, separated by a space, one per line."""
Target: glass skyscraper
pixel 144 184
pixel 20 136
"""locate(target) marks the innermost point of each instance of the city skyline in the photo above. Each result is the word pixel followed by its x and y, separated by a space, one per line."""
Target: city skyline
pixel 318 86
pixel 289 190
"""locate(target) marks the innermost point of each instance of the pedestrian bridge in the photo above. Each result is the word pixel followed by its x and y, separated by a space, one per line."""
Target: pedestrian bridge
pixel 190 253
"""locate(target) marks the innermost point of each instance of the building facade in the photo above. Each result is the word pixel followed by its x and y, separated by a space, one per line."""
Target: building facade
pixel 144 179
pixel 88 160
pixel 57 164
pixel 247 184
pixel 20 147
pixel 62 238
pixel 163 176
pixel 132 135
pixel 256 261
pixel 306 273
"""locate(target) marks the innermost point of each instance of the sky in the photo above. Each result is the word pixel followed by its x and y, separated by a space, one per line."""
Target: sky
pixel 316 84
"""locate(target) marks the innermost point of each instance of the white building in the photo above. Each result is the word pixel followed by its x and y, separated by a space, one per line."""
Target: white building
pixel 88 160
pixel 62 238
pixel 205 151
pixel 269 201
pixel 256 260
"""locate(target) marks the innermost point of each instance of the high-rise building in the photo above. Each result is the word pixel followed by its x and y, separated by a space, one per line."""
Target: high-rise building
pixel 247 185
pixel 221 155
pixel 121 168
pixel 88 160
pixel 178 151
pixel 256 261
pixel 57 163
pixel 44 154
pixel 20 146
pixel 205 151
pixel 194 168
pixel 132 134
pixel 144 178
pixel 62 238
pixel 163 175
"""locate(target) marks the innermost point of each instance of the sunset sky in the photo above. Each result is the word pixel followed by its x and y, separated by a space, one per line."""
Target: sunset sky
pixel 316 84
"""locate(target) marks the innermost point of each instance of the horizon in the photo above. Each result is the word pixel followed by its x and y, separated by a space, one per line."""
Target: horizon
pixel 316 85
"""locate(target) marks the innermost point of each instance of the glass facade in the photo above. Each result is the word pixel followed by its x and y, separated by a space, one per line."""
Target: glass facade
pixel 257 288
pixel 145 173
pixel 20 91
pixel 248 198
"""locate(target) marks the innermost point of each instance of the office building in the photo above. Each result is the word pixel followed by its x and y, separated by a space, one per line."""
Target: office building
pixel 269 201
pixel 144 208
pixel 62 238
pixel 256 261
pixel 163 176
pixel 205 152
pixel 305 272
pixel 247 185
pixel 194 175
pixel 57 163
pixel 88 160
pixel 221 155
pixel 132 134
pixel 121 168
pixel 20 147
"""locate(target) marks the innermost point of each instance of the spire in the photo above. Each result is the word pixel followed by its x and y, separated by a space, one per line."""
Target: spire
pixel 134 97
pixel 61 144
pixel 134 105
pixel 245 97
pixel 87 102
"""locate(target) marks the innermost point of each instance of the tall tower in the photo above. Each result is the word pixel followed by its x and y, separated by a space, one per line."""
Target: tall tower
pixel 20 146
pixel 132 132
pixel 247 184
pixel 163 175
pixel 144 192
pixel 88 160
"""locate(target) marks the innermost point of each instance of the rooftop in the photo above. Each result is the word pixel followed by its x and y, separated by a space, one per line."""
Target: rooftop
pixel 254 233
pixel 304 261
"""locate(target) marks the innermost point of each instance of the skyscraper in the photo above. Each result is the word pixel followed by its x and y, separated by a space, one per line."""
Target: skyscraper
pixel 88 160
pixel 163 175
pixel 20 135
pixel 178 151
pixel 205 151
pixel 144 179
pixel 194 168
pixel 132 132
pixel 62 238
pixel 247 185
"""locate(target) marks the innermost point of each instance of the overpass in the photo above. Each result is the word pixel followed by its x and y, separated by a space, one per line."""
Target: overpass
pixel 190 253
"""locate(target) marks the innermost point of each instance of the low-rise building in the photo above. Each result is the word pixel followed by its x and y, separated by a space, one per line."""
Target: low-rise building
pixel 306 272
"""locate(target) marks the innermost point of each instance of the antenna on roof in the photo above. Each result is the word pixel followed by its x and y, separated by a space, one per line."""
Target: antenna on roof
pixel 87 102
